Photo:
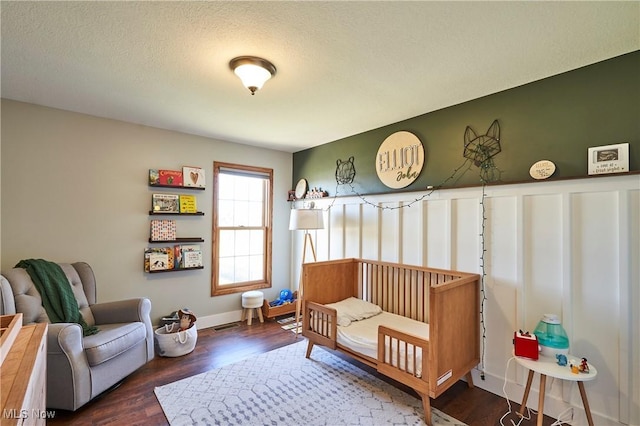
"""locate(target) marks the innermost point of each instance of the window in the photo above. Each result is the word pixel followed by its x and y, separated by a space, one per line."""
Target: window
pixel 242 214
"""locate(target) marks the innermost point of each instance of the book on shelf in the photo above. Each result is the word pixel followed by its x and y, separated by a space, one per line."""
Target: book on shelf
pixel 187 255
pixel 188 204
pixel 192 259
pixel 165 177
pixel 165 203
pixel 158 259
pixel 193 177
pixel 170 177
pixel 154 177
pixel 163 229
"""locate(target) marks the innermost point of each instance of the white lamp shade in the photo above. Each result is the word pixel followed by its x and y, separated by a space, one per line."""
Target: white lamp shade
pixel 252 75
pixel 301 219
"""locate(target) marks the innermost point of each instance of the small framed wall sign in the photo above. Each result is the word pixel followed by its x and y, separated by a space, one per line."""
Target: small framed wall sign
pixel 542 169
pixel 609 159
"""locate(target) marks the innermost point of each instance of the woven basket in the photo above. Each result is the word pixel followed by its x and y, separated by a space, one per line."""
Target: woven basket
pixel 172 343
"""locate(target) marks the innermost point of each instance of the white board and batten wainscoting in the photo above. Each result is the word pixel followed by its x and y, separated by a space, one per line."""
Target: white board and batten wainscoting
pixel 569 247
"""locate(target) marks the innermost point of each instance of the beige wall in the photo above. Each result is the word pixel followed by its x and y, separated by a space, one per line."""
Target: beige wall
pixel 74 187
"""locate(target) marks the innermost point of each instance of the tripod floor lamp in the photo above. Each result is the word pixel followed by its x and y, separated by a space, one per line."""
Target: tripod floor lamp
pixel 305 220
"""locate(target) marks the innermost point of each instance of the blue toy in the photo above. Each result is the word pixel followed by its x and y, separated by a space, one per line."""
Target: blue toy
pixel 562 360
pixel 286 296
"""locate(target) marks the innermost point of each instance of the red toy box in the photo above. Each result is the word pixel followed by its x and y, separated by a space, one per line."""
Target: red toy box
pixel 525 345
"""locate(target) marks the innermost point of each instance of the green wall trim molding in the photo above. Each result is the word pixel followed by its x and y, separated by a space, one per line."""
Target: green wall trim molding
pixel 557 119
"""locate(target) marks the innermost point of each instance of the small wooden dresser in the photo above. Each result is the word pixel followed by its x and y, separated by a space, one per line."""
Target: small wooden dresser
pixel 23 379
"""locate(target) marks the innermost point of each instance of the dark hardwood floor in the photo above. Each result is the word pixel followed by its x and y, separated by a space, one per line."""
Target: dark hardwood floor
pixel 134 403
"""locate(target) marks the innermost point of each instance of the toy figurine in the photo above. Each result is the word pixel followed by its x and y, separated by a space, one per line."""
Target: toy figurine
pixel 574 369
pixel 286 296
pixel 562 360
pixel 187 318
pixel 584 367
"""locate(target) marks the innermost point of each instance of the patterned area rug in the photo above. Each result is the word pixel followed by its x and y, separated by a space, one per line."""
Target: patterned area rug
pixel 282 387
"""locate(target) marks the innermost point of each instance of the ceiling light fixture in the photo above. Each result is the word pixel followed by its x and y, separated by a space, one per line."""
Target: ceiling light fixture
pixel 253 71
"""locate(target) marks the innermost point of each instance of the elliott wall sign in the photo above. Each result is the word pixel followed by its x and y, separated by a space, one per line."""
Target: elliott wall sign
pixel 399 160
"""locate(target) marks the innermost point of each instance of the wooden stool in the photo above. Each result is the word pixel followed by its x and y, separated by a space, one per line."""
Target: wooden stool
pixel 252 300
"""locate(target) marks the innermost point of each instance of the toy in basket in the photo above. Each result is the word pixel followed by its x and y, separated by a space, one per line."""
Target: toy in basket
pixel 178 338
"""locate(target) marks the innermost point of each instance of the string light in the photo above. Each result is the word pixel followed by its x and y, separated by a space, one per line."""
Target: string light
pixel 431 189
pixel 483 295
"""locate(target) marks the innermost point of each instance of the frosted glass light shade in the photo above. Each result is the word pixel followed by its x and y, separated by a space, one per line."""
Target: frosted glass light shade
pixel 302 219
pixel 252 76
pixel 252 71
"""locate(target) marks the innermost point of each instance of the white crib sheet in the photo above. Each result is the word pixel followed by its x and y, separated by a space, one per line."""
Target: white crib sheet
pixel 362 336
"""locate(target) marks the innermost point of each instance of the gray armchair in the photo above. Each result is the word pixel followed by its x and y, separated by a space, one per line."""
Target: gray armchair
pixel 80 368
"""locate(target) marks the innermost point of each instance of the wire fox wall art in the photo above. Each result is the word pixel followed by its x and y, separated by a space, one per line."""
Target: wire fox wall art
pixel 482 148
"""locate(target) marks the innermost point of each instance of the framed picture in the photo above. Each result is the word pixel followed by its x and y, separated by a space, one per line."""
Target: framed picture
pixel 165 203
pixel 609 159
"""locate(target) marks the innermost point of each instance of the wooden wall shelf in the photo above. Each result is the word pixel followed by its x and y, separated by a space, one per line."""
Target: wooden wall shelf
pixel 175 270
pixel 179 240
pixel 152 213
pixel 179 188
pixel 170 255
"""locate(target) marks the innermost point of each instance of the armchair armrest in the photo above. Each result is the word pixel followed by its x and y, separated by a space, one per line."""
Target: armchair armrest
pixel 7 302
pixel 131 310
pixel 68 376
pixel 65 338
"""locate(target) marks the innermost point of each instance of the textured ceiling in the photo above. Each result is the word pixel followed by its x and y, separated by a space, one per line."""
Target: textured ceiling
pixel 343 67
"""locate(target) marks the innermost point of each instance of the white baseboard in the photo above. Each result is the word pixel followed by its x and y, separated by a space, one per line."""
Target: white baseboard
pixel 218 319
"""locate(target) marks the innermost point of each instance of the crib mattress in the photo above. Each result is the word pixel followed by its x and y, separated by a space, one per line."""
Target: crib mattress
pixel 362 336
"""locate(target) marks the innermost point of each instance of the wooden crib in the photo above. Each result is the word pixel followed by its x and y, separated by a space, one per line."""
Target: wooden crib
pixel 449 301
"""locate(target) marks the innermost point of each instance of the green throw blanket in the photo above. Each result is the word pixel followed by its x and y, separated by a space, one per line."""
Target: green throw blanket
pixel 57 295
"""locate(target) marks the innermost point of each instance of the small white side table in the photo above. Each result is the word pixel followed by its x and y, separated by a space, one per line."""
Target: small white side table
pixel 547 366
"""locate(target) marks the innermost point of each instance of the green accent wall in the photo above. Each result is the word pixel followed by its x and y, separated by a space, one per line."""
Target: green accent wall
pixel 557 119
